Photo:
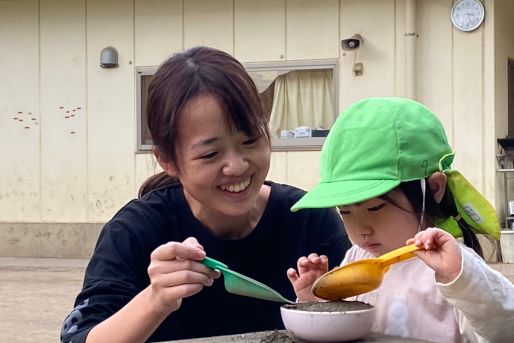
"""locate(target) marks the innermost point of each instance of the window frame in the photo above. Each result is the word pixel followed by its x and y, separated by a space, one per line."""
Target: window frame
pixel 277 144
pixel 140 72
pixel 308 143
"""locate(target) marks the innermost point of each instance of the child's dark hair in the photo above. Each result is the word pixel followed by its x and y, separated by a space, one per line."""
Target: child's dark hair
pixel 433 210
pixel 185 75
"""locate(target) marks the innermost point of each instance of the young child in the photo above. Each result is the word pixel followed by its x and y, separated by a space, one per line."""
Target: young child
pixel 145 281
pixel 386 166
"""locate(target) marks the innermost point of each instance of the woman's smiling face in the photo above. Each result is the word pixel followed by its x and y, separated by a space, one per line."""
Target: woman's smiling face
pixel 221 169
pixel 378 225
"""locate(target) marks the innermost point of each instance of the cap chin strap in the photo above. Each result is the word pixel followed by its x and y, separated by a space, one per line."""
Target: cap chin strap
pixel 422 218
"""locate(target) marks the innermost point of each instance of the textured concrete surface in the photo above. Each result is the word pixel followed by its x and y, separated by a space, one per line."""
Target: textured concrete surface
pixel 36 296
pixel 53 240
pixel 285 337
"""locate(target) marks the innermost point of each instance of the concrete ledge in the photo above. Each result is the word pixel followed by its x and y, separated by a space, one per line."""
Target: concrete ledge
pixel 58 240
pixel 42 264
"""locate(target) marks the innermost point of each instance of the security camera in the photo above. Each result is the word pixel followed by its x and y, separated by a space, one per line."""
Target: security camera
pixel 352 43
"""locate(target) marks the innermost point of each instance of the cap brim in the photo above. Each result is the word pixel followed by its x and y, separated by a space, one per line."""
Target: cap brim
pixel 340 193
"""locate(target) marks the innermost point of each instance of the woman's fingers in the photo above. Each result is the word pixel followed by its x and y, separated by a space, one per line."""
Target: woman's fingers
pixel 183 291
pixel 176 250
pixel 167 267
pixel 192 242
pixel 174 256
pixel 182 277
pixel 176 272
pixel 170 298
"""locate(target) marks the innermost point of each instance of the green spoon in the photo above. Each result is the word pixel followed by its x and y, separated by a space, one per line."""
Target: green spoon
pixel 243 285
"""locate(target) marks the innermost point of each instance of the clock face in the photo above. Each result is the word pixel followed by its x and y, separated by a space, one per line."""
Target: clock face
pixel 467 15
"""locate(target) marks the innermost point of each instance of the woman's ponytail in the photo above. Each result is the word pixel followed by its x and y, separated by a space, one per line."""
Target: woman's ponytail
pixel 157 181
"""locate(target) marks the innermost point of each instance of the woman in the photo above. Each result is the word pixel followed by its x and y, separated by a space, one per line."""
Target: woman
pixel 145 280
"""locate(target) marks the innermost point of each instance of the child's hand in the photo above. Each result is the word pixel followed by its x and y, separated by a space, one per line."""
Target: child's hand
pixel 442 253
pixel 309 270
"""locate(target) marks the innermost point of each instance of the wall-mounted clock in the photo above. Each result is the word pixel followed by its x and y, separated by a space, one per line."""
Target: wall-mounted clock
pixel 467 15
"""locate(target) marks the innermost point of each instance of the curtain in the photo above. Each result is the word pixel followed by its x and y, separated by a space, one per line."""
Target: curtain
pixel 302 98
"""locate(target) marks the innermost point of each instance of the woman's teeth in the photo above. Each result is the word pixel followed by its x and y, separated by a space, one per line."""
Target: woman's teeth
pixel 237 187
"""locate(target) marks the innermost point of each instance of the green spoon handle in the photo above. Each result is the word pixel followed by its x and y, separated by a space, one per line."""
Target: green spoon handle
pixel 214 264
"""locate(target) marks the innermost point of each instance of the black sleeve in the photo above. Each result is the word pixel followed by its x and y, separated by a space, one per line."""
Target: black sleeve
pixel 115 274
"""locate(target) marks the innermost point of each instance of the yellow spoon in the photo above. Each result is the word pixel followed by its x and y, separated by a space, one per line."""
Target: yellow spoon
pixel 360 276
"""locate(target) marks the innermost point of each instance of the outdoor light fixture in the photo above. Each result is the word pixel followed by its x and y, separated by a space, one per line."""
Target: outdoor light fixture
pixel 354 44
pixel 109 57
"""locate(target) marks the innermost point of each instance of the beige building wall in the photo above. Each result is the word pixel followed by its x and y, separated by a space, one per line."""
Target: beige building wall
pixel 68 127
pixel 496 90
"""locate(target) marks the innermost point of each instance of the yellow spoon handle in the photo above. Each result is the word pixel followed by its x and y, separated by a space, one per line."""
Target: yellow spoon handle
pixel 398 255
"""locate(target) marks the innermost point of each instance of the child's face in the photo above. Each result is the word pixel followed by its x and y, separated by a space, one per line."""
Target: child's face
pixel 221 170
pixel 379 226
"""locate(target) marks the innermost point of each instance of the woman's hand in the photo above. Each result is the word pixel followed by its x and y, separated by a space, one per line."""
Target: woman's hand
pixel 442 253
pixel 176 273
pixel 309 270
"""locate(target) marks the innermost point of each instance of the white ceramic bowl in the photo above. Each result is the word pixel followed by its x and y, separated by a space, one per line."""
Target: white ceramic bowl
pixel 327 326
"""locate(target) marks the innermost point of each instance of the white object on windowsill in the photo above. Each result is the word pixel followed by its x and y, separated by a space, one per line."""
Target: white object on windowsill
pixel 302 132
pixel 286 134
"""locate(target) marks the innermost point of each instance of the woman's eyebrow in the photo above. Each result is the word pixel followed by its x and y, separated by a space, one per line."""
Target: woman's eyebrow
pixel 204 142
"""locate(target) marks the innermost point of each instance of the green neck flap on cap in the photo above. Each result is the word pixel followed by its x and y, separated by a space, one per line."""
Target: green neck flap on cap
pixel 473 208
pixel 449 225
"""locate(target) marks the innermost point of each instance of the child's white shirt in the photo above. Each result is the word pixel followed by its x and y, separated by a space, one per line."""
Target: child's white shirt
pixel 478 306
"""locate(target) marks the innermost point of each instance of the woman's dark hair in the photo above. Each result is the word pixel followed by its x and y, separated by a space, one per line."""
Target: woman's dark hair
pixel 446 208
pixel 191 73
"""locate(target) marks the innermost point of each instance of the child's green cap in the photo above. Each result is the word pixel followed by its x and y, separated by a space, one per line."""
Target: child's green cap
pixel 374 145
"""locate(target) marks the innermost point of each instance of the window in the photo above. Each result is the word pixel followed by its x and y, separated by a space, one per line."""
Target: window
pixel 144 139
pixel 300 99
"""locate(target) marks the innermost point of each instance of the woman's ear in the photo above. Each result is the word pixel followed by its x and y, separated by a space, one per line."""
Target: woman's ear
pixel 437 184
pixel 167 166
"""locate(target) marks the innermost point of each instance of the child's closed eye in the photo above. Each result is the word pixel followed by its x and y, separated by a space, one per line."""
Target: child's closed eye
pixel 376 208
pixel 251 141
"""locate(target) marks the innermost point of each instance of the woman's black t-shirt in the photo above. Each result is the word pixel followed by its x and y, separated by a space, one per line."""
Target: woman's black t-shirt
pixel 118 268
